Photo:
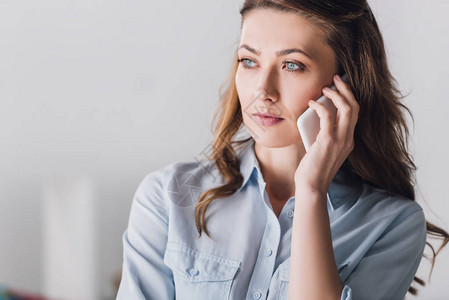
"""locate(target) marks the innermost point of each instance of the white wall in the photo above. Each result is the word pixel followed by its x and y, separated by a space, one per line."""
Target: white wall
pixel 100 88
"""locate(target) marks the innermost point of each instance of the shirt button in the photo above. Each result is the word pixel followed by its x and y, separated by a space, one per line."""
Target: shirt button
pixel 193 272
pixel 268 252
pixel 257 295
pixel 290 213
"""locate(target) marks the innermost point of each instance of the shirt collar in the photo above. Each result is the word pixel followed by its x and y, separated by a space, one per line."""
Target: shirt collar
pixel 346 186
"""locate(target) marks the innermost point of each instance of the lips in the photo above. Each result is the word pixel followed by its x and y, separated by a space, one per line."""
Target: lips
pixel 267 121
pixel 268 115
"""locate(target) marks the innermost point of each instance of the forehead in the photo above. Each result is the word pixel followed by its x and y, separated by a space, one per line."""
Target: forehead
pixel 269 30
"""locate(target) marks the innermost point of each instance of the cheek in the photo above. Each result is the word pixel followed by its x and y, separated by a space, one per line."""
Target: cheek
pixel 296 100
pixel 243 89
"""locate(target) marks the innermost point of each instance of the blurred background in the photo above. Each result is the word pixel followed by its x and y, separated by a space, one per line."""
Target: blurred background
pixel 96 94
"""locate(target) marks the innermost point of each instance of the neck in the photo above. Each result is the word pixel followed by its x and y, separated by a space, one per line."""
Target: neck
pixel 278 166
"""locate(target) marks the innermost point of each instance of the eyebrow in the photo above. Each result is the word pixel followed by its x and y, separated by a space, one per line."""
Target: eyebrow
pixel 278 53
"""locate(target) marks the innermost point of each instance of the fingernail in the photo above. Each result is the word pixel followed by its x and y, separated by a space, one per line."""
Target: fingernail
pixel 327 89
pixel 337 77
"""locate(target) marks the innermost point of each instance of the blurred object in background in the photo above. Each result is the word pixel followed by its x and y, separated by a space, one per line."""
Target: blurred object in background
pixel 70 239
pixel 116 278
pixel 11 294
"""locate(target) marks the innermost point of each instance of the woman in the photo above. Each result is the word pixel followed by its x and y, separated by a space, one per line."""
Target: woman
pixel 337 222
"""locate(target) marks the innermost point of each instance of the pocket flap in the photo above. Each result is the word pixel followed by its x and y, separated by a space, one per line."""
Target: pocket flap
pixel 197 267
pixel 284 270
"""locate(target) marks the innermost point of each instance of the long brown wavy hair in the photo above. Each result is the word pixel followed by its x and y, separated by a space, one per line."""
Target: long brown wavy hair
pixel 380 155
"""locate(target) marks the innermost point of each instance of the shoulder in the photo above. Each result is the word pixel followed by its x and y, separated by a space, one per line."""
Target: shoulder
pixel 185 172
pixel 178 183
pixel 381 243
pixel 380 200
pixel 158 177
pixel 388 210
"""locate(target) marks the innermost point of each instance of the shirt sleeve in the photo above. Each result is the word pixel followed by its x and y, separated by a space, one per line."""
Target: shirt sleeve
pixel 144 274
pixel 387 270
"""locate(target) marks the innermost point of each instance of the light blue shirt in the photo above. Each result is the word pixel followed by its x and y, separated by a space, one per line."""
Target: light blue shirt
pixel 378 238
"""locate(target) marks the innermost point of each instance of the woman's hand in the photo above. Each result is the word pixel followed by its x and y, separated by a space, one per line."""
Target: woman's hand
pixel 333 142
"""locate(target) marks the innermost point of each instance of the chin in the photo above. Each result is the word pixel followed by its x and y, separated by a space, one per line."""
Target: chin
pixel 275 140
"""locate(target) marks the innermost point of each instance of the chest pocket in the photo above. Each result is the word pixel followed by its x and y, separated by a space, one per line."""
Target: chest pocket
pixel 199 275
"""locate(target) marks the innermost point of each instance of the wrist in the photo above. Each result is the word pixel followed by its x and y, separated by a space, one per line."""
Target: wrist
pixel 310 190
pixel 309 201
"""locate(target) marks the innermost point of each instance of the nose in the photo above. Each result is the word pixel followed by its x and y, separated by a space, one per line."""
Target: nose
pixel 266 88
pixel 266 92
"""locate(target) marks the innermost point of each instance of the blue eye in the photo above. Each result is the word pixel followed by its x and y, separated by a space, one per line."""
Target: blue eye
pixel 244 60
pixel 293 64
pixel 300 66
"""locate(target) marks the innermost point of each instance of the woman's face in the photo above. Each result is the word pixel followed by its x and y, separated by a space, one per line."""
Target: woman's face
pixel 281 85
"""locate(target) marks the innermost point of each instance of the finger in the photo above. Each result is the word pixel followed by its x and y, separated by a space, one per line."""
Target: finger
pixel 326 124
pixel 345 123
pixel 344 111
pixel 345 90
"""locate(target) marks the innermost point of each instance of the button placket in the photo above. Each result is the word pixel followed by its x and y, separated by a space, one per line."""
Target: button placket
pixel 266 257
